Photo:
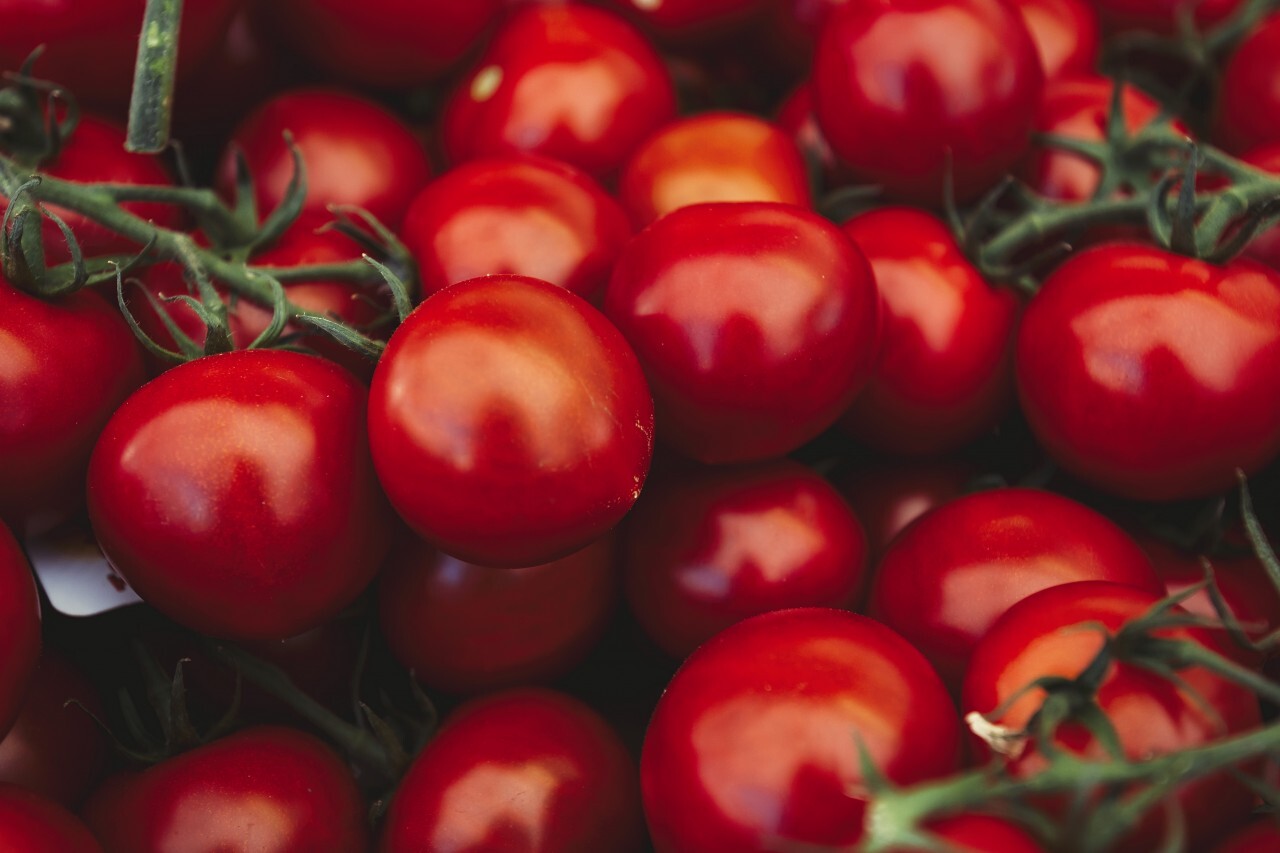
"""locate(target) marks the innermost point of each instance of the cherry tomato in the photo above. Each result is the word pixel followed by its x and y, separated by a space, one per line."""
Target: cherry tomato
pixel 510 422
pixel 569 82
pixel 1160 16
pixel 1065 33
pixel 713 156
pixel 20 616
pixel 795 117
pixel 355 152
pixel 31 824
pixel 1247 101
pixel 1265 247
pixel 1259 836
pixel 67 365
pixel 945 373
pixel 235 493
pixel 754 744
pixel 519 214
pixel 706 548
pixel 519 770
pixel 756 324
pixel 979 833
pixel 264 788
pixel 899 84
pixel 686 21
pixel 1152 375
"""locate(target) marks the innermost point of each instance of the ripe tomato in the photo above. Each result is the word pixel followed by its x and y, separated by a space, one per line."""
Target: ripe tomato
pixel 979 833
pixel 1259 836
pixel 1152 375
pixel 235 493
pixel 756 324
pixel 1248 102
pixel 519 214
pixel 518 770
pixel 898 84
pixel 754 745
pixel 686 21
pixel 510 422
pixel 1160 15
pixel 705 548
pixel 20 616
pixel 31 824
pixel 795 117
pixel 262 788
pixel 1265 247
pixel 1065 33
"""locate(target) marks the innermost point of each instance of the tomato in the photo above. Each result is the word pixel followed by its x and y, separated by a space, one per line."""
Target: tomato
pixel 1247 94
pixel 355 151
pixel 692 20
pixel 264 788
pixel 795 117
pixel 706 548
pixel 67 365
pixel 897 84
pixel 1065 33
pixel 463 628
pixel 235 494
pixel 510 422
pixel 569 82
pixel 20 614
pixel 518 770
pixel 756 324
pixel 945 373
pixel 1049 634
pixel 31 824
pixel 519 214
pixel 754 744
pixel 979 833
pixel 1259 836
pixel 1265 247
pixel 713 156
pixel 1152 375
pixel 1161 16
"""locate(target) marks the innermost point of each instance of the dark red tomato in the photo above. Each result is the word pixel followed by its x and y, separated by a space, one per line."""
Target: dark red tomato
pixel 692 20
pixel 1152 375
pixel 518 214
pixel 979 833
pixel 261 789
pixel 463 628
pixel 795 118
pixel 1265 247
pixel 1065 33
pixel 713 156
pixel 1248 98
pixel 20 616
pixel 29 823
pixel 899 83
pixel 1160 16
pixel 56 749
pixel 708 547
pixel 355 152
pixel 510 422
pixel 1054 633
pixel 235 493
pixel 1260 836
pixel 524 770
pixel 756 324
pixel 754 744
pixel 385 43
pixel 91 46
pixel 947 578
pixel 67 366
pixel 945 372
pixel 569 82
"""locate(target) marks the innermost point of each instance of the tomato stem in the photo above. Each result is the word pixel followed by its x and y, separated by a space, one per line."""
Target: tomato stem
pixel 151 106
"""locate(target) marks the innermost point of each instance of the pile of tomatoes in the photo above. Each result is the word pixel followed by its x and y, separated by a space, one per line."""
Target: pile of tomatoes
pixel 761 425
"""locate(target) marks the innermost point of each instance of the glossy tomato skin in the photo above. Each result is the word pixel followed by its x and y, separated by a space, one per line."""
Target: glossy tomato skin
pixel 708 547
pixel 530 770
pixel 1247 98
pixel 20 616
pixel 756 324
pixel 32 824
pixel 510 422
pixel 235 494
pixel 1065 33
pixel 265 788
pixel 1152 375
pixel 945 372
pixel 899 83
pixel 463 628
pixel 517 214
pixel 569 82
pixel 753 743
pixel 68 365
pixel 355 151
pixel 980 833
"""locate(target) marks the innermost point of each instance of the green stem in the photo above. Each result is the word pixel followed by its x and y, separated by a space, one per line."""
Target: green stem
pixel 152 102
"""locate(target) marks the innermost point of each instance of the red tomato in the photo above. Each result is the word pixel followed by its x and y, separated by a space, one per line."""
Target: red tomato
pixel 756 324
pixel 945 373
pixel 1160 15
pixel 510 422
pixel 31 824
pixel 795 117
pixel 1265 247
pixel 1248 99
pixel 1065 33
pixel 570 82
pixel 714 156
pixel 1048 634
pixel 1260 836
pixel 518 214
pixel 897 84
pixel 706 548
pixel 235 494
pixel 519 770
pixel 67 365
pixel 692 20
pixel 20 616
pixel 1152 375
pixel 463 628
pixel 978 833
pixel 355 152
pixel 754 745
pixel 261 789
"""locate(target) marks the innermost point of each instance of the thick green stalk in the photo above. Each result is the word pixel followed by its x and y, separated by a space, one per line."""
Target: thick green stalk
pixel 152 103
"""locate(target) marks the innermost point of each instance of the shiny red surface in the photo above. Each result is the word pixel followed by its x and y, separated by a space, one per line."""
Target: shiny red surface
pixel 1248 100
pixel 1065 33
pixel 30 823
pixel 685 20
pixel 888 495
pixel 979 833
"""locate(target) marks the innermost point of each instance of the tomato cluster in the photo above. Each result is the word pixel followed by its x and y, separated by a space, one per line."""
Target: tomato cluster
pixel 609 425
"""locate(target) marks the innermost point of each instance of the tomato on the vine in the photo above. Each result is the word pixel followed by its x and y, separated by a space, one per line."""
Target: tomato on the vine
pixel 31 824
